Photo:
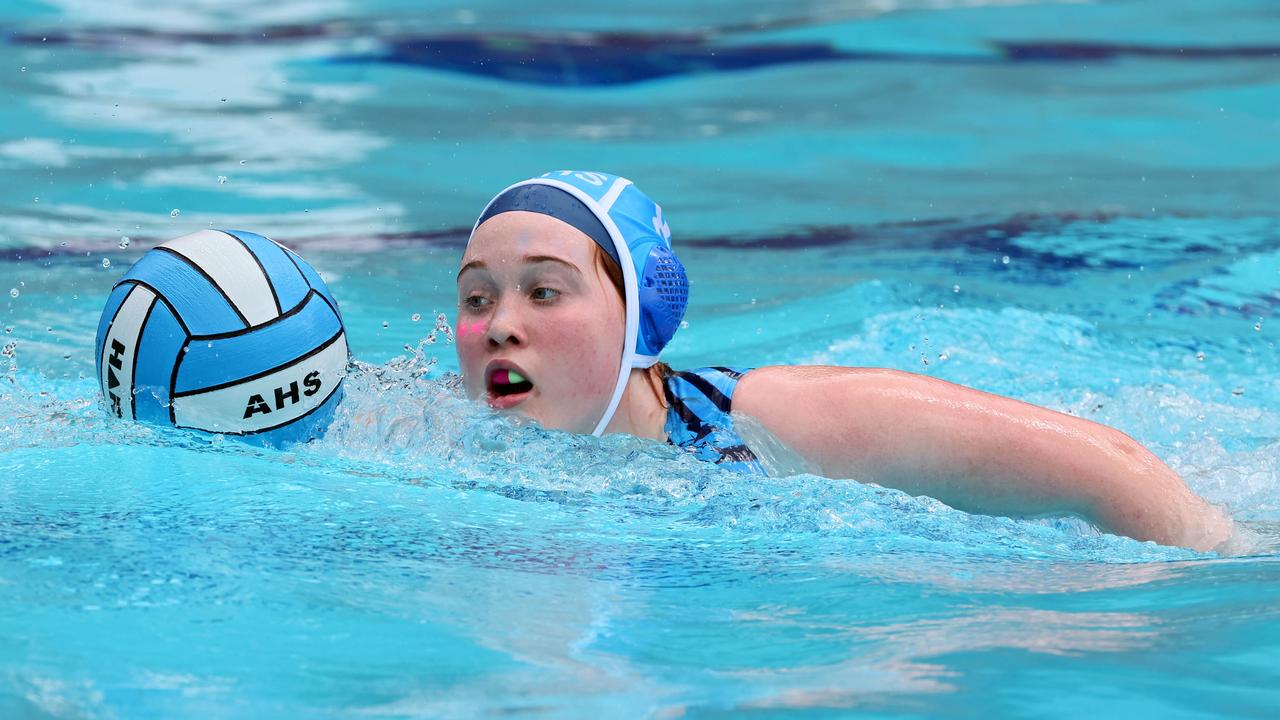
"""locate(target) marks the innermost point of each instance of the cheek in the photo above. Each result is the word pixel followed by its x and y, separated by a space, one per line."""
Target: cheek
pixel 468 330
pixel 470 348
pixel 592 365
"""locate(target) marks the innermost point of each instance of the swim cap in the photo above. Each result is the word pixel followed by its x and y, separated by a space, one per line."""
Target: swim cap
pixel 656 289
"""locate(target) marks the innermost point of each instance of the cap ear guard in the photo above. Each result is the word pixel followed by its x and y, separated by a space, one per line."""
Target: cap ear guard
pixel 664 295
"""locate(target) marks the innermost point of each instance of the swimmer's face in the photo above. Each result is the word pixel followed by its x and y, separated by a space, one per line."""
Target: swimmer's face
pixel 533 303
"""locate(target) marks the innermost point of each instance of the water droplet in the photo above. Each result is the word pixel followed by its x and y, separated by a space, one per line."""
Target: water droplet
pixel 415 317
pixel 222 179
pixel 106 262
pixel 124 241
pixel 1004 260
pixel 175 212
pixel 13 292
pixel 1200 356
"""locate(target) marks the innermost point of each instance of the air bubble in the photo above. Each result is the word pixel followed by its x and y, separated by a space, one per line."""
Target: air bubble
pixel 415 317
pixel 222 179
pixel 175 212
pixel 1200 356
pixel 124 241
pixel 13 292
pixel 386 324
pixel 684 324
pixel 106 262
pixel 1004 260
pixel 943 356
pixel 1237 391
pixel 955 288
pixel 8 329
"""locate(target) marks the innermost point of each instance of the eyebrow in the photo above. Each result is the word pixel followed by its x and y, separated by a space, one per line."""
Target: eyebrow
pixel 528 259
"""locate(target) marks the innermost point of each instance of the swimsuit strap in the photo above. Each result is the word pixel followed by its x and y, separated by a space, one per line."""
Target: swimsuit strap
pixel 699 402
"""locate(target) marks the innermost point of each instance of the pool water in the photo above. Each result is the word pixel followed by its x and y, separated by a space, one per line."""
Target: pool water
pixel 1068 203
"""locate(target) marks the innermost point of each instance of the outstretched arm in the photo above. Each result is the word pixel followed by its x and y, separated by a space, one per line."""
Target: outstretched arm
pixel 976 451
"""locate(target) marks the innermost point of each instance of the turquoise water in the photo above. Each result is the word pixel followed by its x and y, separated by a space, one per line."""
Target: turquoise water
pixel 1069 203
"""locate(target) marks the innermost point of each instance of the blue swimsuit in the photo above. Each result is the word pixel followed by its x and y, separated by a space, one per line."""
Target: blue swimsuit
pixel 699 402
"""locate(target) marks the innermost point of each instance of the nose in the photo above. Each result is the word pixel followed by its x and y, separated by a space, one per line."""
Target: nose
pixel 504 328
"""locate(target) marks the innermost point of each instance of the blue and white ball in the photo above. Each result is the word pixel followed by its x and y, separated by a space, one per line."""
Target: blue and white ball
pixel 226 332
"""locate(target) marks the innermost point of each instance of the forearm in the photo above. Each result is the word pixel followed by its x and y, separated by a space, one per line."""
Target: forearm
pixel 1055 464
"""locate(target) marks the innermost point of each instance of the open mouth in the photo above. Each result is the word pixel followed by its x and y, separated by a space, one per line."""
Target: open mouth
pixel 507 387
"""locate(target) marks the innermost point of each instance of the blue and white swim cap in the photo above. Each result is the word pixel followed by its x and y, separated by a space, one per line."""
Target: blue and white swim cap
pixel 629 227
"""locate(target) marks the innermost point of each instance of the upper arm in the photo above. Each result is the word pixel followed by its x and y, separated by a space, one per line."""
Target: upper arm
pixel 838 418
pixel 921 434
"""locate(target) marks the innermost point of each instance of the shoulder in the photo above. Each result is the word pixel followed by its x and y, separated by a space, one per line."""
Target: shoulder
pixel 776 387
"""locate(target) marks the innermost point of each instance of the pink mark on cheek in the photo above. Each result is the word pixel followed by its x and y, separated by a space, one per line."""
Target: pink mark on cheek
pixel 476 328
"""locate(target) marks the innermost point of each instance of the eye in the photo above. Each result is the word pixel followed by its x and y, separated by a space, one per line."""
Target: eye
pixel 544 293
pixel 476 302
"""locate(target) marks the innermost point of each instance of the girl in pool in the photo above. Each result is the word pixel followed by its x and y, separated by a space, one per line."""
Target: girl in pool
pixel 569 290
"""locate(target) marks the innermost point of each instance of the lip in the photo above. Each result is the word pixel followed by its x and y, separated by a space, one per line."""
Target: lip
pixel 503 402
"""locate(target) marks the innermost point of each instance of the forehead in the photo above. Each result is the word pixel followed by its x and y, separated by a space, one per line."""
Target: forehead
pixel 510 235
